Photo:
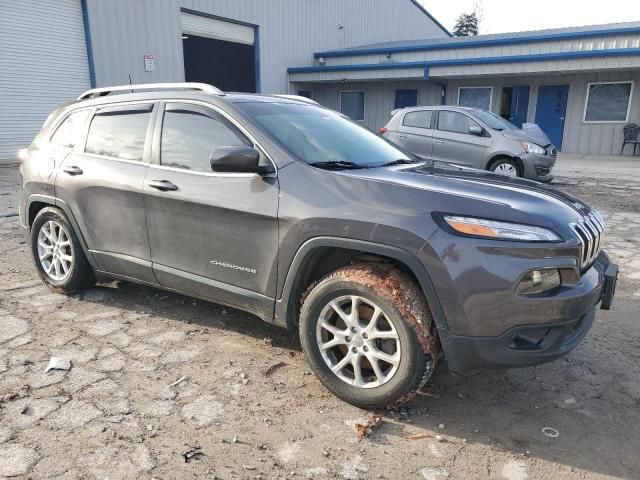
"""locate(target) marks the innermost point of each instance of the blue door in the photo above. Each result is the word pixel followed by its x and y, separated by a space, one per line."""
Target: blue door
pixel 406 98
pixel 519 105
pixel 551 110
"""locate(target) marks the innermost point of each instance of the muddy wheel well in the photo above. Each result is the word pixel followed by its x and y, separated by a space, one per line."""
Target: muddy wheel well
pixel 497 158
pixel 323 260
pixel 34 208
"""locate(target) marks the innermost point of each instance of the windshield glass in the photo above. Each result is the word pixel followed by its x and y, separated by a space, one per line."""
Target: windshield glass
pixel 317 135
pixel 494 121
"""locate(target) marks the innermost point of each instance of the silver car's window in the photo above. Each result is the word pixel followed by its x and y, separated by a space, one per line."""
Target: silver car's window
pixel 189 137
pixel 449 121
pixel 419 119
pixel 119 133
pixel 69 131
pixel 314 134
pixel 494 121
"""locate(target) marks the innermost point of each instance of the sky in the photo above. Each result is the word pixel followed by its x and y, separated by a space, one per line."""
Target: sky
pixel 519 15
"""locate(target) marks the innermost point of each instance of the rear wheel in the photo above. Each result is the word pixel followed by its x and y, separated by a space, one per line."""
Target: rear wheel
pixel 367 333
pixel 507 167
pixel 57 253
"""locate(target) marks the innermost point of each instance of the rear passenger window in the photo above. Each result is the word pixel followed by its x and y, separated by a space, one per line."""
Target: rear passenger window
pixel 119 133
pixel 68 133
pixel 190 135
pixel 454 122
pixel 421 119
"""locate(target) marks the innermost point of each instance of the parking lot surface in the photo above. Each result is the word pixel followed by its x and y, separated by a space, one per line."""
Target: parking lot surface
pixel 162 386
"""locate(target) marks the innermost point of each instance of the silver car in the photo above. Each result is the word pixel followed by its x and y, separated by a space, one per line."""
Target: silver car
pixel 473 138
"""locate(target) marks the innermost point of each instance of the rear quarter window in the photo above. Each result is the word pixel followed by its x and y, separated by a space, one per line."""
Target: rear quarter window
pixel 419 119
pixel 69 132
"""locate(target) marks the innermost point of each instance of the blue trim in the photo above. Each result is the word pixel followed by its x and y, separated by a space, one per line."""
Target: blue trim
pixel 87 41
pixel 469 61
pixel 256 54
pixel 478 42
pixel 433 19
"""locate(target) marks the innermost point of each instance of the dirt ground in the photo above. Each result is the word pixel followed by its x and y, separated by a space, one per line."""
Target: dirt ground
pixel 157 375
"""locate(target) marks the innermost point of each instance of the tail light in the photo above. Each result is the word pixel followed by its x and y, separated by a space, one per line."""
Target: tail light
pixel 382 130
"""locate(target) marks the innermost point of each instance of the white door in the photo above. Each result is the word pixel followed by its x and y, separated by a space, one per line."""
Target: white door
pixel 43 64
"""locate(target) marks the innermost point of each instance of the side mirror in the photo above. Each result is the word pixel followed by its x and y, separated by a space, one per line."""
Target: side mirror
pixel 237 159
pixel 475 130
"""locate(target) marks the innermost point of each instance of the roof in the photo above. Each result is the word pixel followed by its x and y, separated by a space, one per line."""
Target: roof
pixel 483 40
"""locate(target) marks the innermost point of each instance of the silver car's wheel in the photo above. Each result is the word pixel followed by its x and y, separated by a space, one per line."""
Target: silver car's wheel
pixel 54 250
pixel 506 169
pixel 358 342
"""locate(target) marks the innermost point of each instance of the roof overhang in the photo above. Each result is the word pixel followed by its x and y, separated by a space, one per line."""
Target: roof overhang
pixel 460 67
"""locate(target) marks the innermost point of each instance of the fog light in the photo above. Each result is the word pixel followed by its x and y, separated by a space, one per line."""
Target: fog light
pixel 539 281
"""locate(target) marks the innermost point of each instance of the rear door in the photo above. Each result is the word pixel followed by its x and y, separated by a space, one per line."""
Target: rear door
pixel 101 183
pixel 213 235
pixel 415 132
pixel 453 142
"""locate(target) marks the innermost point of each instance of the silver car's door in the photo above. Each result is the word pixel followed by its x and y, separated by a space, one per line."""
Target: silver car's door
pixel 213 235
pixel 101 184
pixel 455 141
pixel 415 132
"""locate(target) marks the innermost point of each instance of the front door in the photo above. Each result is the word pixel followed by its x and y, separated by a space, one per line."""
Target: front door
pixel 551 110
pixel 519 105
pixel 453 141
pixel 101 182
pixel 211 235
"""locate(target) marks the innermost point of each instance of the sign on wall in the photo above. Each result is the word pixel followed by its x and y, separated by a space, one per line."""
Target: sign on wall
pixel 149 63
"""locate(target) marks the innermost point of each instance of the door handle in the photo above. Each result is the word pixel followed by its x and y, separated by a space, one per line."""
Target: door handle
pixel 163 185
pixel 440 141
pixel 72 170
pixel 402 136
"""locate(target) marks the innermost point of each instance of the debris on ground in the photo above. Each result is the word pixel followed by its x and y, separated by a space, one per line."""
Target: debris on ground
pixel 272 369
pixel 439 438
pixel 58 363
pixel 194 452
pixel 551 432
pixel 177 382
pixel 362 430
pixel 418 436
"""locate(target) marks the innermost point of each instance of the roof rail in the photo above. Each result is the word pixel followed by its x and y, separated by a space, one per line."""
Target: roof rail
pixel 102 91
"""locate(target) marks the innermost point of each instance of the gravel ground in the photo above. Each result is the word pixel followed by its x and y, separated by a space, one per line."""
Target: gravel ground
pixel 157 375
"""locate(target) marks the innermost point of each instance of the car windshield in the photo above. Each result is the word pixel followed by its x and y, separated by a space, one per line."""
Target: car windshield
pixel 494 121
pixel 322 137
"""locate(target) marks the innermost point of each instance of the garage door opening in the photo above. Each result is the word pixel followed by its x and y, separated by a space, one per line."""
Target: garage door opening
pixel 227 65
pixel 218 51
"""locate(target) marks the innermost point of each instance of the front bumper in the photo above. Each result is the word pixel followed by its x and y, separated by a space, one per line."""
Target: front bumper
pixel 534 343
pixel 538 167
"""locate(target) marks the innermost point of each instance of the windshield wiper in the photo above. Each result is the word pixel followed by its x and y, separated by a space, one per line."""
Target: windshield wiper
pixel 400 161
pixel 337 164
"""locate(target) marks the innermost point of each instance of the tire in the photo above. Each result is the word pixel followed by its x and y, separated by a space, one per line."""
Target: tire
pixel 52 236
pixel 506 166
pixel 404 316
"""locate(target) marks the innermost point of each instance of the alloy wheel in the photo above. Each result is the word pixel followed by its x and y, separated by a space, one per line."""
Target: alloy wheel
pixel 358 342
pixel 54 251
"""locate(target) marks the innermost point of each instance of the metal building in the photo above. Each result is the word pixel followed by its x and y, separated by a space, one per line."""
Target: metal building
pixel 242 45
pixel 580 84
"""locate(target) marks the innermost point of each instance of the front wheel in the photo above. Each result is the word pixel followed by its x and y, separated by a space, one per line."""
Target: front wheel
pixel 368 335
pixel 57 253
pixel 507 167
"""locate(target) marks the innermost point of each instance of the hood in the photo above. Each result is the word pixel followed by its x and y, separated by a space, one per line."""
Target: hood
pixel 468 191
pixel 530 132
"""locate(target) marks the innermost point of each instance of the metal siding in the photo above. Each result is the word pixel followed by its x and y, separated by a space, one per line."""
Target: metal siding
pixel 40 68
pixel 290 32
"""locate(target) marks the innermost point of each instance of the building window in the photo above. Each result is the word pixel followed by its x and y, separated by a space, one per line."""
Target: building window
pixel 475 97
pixel 406 98
pixel 608 102
pixel 352 105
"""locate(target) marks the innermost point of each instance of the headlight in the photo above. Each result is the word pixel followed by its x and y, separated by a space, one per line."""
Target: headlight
pixel 539 281
pixel 480 227
pixel 533 148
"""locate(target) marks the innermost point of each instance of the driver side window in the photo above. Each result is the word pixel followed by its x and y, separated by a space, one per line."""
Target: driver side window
pixel 190 134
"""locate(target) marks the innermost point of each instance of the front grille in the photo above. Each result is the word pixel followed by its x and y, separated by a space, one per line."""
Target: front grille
pixel 590 230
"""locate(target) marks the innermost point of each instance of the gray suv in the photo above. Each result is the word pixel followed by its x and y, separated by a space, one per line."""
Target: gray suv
pixel 473 138
pixel 385 263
